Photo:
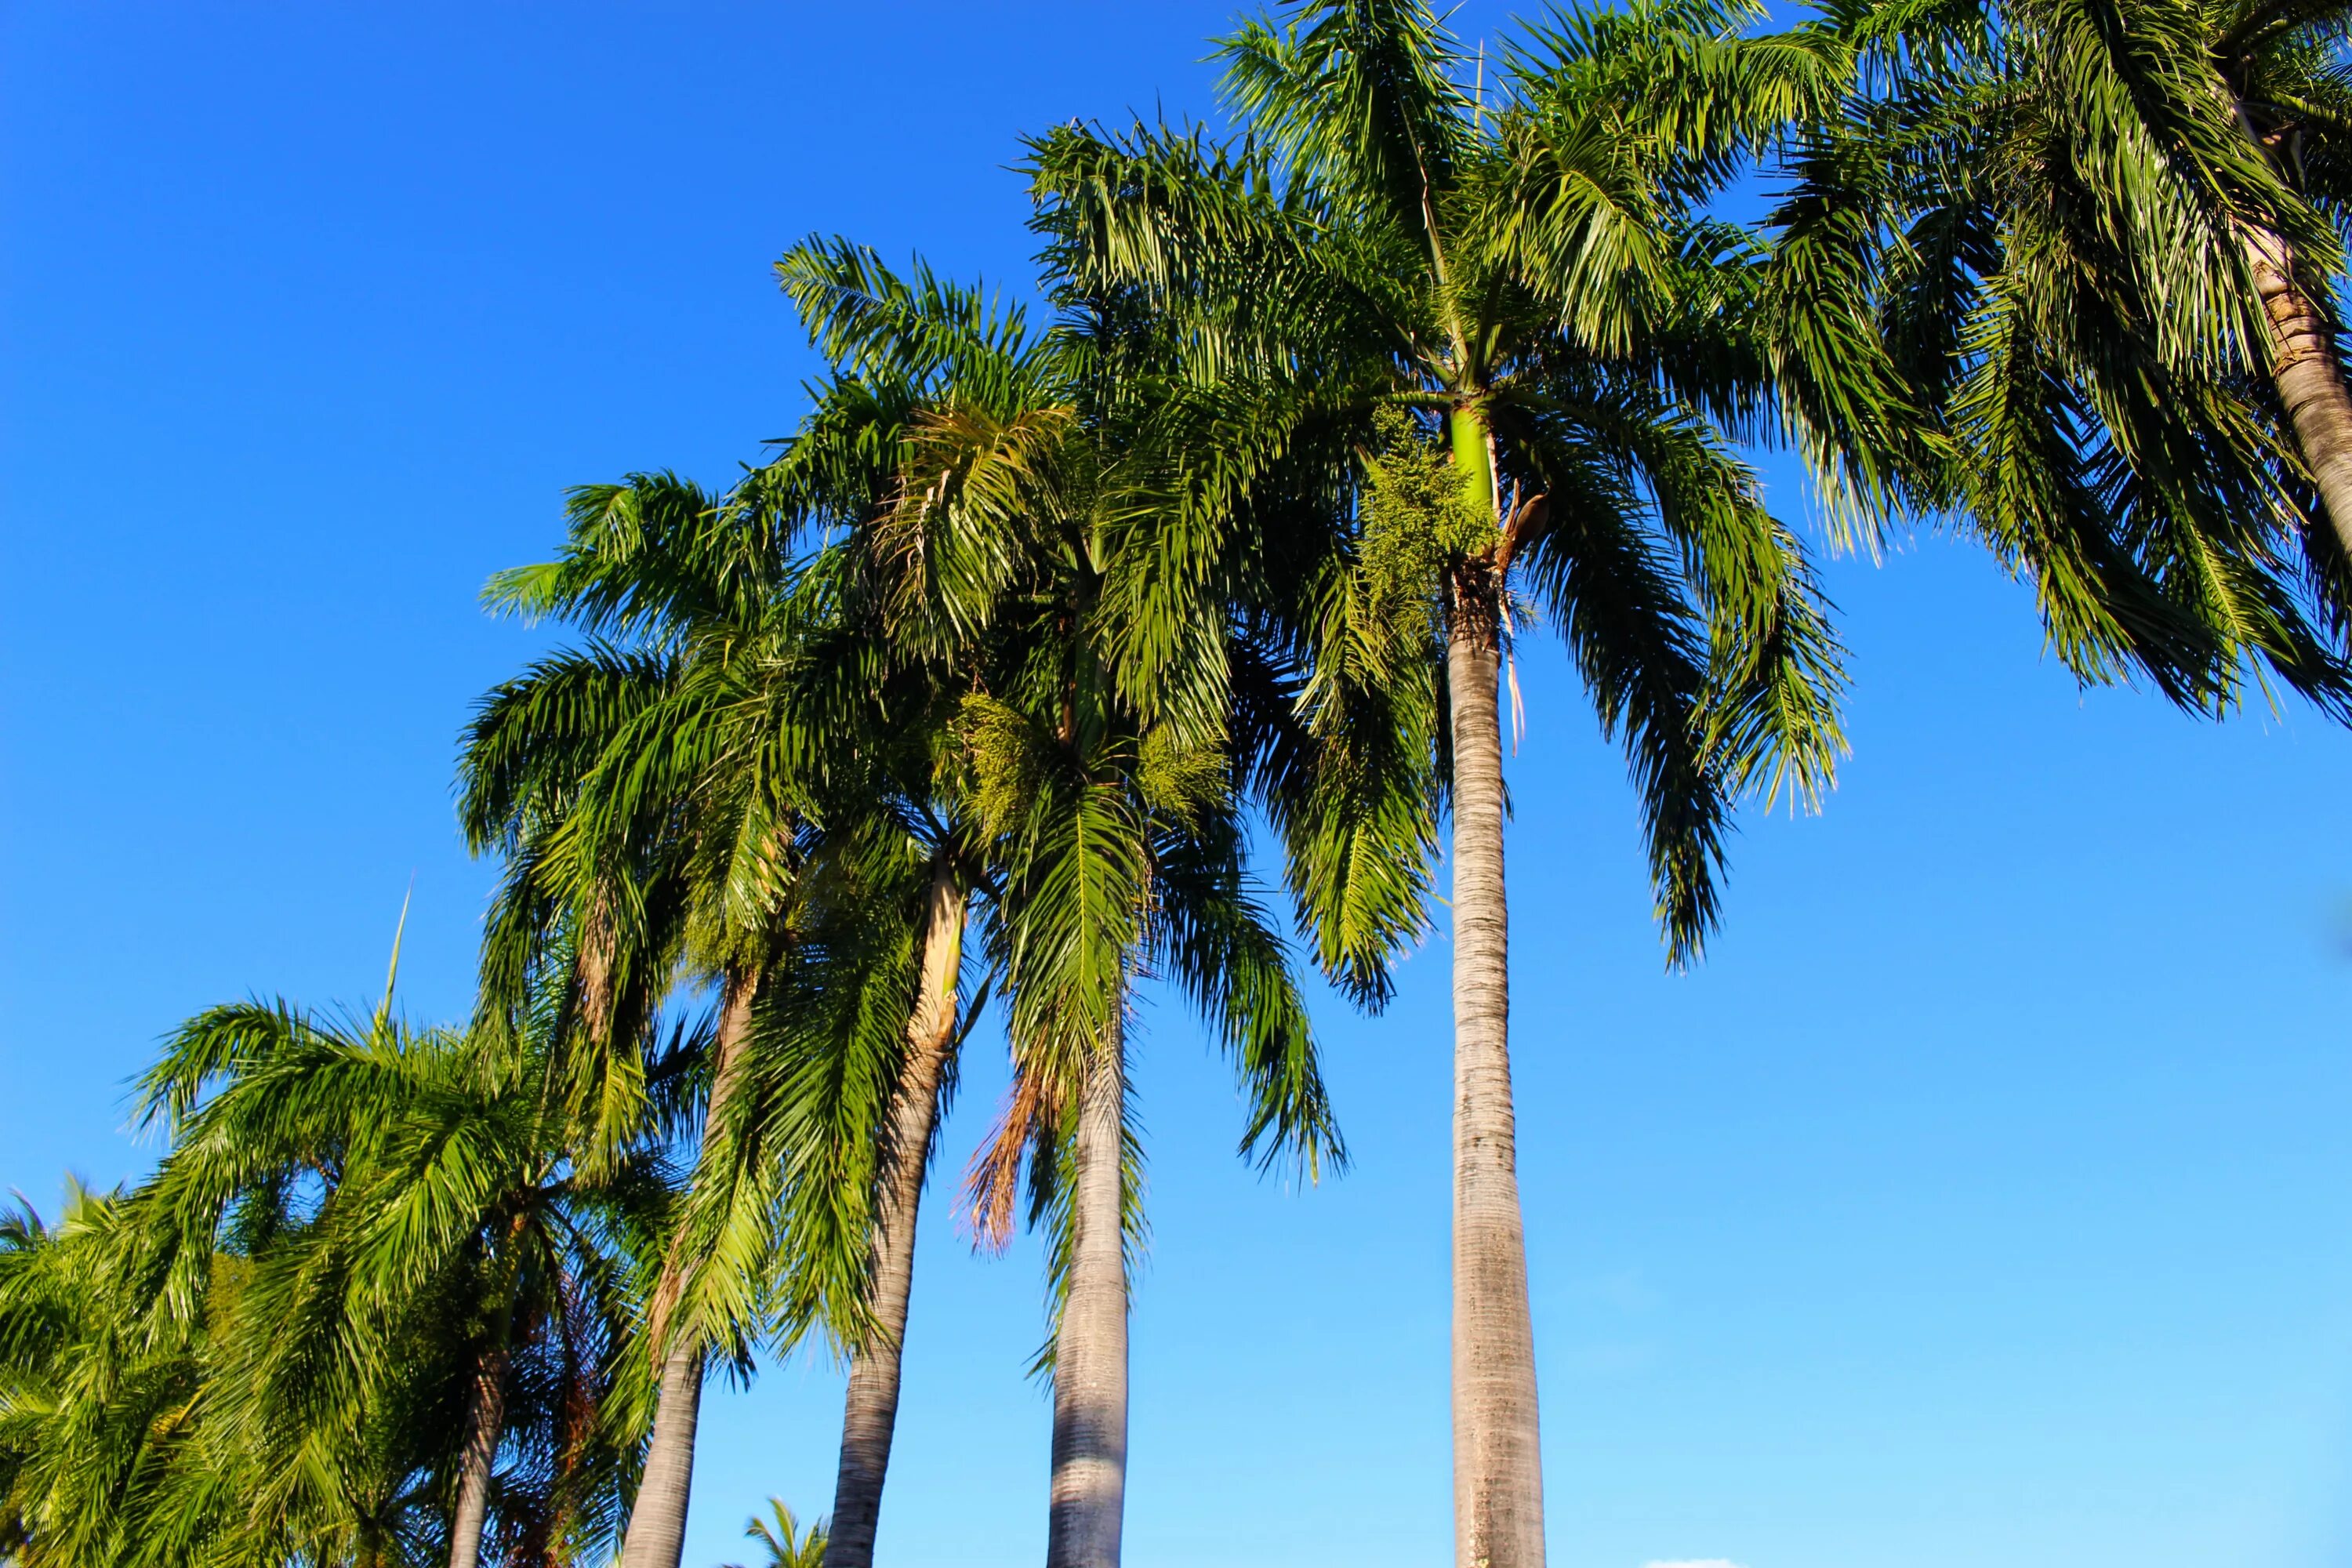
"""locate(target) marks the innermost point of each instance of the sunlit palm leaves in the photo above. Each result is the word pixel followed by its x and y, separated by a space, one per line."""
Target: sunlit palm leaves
pixel 1385 241
pixel 2050 205
pixel 1046 543
pixel 430 1231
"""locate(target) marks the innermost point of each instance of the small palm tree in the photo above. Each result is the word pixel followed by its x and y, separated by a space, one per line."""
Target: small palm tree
pixel 450 1221
pixel 781 1534
pixel 308 1337
pixel 100 1376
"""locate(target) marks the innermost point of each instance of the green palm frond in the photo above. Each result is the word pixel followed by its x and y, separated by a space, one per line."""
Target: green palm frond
pixel 1363 98
pixel 786 1544
pixel 2049 202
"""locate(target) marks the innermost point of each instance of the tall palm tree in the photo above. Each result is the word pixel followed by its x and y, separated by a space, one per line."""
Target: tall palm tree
pixel 2290 89
pixel 920 917
pixel 2227 128
pixel 1032 531
pixel 696 796
pixel 925 1077
pixel 1520 351
pixel 890 718
pixel 623 887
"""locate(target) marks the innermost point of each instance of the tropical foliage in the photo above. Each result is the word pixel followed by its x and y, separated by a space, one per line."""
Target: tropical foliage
pixel 369 1310
pixel 780 1535
pixel 2062 218
pixel 965 699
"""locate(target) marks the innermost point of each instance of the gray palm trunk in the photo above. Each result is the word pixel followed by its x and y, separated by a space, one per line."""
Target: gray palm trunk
pixel 1497 1459
pixel 1089 1481
pixel 485 1412
pixel 657 1532
pixel 485 1418
pixel 871 1410
pixel 1497 1450
pixel 657 1537
pixel 2310 381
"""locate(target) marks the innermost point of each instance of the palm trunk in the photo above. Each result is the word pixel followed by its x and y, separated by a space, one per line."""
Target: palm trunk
pixel 870 1412
pixel 657 1532
pixel 657 1537
pixel 485 1416
pixel 1497 1459
pixel 1090 1485
pixel 2310 382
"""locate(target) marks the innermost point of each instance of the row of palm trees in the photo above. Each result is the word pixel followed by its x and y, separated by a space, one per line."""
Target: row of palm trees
pixel 972 689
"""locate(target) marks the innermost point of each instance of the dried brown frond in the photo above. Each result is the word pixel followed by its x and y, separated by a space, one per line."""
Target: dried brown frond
pixel 992 1183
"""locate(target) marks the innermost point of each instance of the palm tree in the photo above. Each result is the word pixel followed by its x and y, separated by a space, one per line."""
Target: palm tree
pixel 1028 551
pixel 2072 238
pixel 702 797
pixel 2235 122
pixel 621 888
pixel 446 1184
pixel 781 1533
pixel 1517 352
pixel 891 721
pixel 870 1402
pixel 98 1376
pixel 306 1337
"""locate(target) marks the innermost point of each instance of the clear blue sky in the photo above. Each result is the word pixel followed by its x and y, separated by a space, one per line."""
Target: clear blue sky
pixel 1982 1199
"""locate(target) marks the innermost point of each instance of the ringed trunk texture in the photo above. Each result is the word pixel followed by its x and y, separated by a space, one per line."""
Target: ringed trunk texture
pixel 485 1419
pixel 870 1413
pixel 1497 1460
pixel 1497 1456
pixel 2310 382
pixel 657 1537
pixel 1090 1486
pixel 657 1532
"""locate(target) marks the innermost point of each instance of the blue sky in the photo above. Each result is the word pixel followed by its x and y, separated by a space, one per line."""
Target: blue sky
pixel 1981 1199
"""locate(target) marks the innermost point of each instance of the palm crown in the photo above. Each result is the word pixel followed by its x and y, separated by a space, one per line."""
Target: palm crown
pixel 2062 215
pixel 1540 276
